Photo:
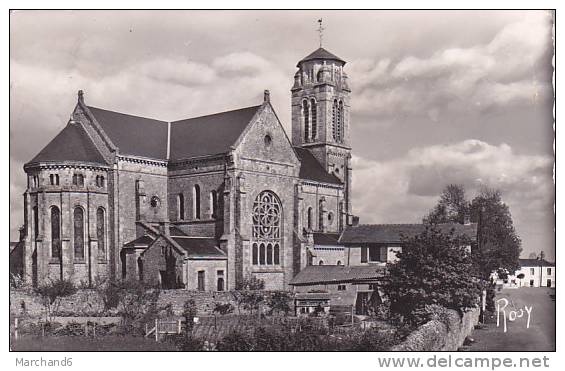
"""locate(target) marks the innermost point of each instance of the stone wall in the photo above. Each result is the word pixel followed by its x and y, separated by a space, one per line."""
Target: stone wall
pixel 87 302
pixel 84 302
pixel 439 336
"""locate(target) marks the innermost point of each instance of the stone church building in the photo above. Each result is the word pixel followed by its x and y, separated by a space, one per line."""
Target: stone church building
pixel 200 203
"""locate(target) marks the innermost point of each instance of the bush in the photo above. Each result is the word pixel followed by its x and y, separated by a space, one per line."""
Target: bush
pixel 51 294
pixel 236 341
pixel 429 313
pixel 279 302
pixel 223 309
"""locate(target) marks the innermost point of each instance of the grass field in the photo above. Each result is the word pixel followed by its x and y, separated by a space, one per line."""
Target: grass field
pixel 78 343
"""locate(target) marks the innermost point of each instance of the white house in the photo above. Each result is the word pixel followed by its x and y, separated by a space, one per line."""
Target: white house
pixel 537 273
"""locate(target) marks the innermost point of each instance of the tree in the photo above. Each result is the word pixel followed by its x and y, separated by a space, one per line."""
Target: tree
pixel 249 296
pixel 52 293
pixel 452 206
pixel 433 268
pixel 498 245
pixel 279 301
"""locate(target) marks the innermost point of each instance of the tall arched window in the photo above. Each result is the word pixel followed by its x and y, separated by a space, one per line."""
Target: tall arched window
pixel 213 204
pixel 78 217
pixel 36 222
pixel 101 233
pixel 340 122
pixel 305 111
pixel 180 206
pixel 314 108
pixel 334 120
pixel 196 201
pixel 55 232
pixel 309 219
pixel 321 215
pixel 267 222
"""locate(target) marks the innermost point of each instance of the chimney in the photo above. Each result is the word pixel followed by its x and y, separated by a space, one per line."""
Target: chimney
pixel 164 228
pixel 354 221
pixel 81 96
pixel 266 96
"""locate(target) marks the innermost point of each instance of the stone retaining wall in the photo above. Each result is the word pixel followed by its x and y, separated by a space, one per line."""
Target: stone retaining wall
pixel 439 336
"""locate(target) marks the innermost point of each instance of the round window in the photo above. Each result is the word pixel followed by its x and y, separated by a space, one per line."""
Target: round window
pixel 155 202
pixel 268 140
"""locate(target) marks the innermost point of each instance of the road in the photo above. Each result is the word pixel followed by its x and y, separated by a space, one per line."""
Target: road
pixel 540 336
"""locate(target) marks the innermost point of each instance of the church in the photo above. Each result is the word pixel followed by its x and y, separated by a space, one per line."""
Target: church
pixel 202 203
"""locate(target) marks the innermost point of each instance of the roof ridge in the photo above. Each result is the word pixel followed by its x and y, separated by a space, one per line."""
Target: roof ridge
pixel 215 114
pixel 127 114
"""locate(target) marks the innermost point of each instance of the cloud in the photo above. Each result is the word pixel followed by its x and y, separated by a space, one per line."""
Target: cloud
pixel 404 189
pixel 511 69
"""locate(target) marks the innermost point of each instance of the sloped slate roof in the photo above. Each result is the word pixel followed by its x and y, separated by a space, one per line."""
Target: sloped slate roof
pixel 311 169
pixel 321 54
pixel 326 239
pixel 134 135
pixel 143 240
pixel 208 135
pixel 535 263
pixel 200 246
pixel 317 274
pixel 71 144
pixel 393 233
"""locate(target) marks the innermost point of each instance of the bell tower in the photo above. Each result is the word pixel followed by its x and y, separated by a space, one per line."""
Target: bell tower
pixel 320 114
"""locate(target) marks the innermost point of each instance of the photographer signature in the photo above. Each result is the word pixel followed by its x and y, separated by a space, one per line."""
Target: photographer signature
pixel 511 316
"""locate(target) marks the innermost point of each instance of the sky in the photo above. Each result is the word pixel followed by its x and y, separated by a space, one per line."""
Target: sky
pixel 438 97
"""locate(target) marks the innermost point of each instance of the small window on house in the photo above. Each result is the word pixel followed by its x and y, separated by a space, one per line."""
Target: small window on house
pixel 338 262
pixel 201 282
pixel 268 140
pixel 56 179
pixel 532 271
pixel 52 179
pixel 321 262
pixel 372 286
pixel 548 271
pixel 220 282
pixel 363 255
pixel 341 287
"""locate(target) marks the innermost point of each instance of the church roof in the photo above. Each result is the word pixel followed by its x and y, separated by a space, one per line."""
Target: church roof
pixel 199 247
pixel 311 169
pixel 71 144
pixel 393 233
pixel 326 239
pixel 318 274
pixel 320 54
pixel 134 135
pixel 535 263
pixel 209 135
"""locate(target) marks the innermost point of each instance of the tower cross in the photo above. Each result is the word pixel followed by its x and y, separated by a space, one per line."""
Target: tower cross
pixel 321 31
